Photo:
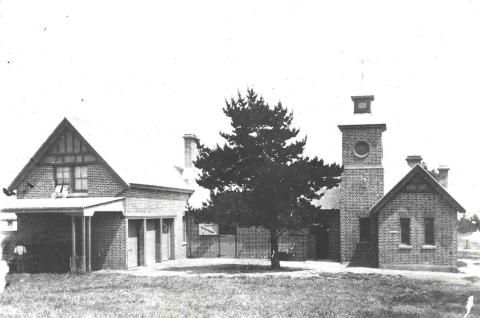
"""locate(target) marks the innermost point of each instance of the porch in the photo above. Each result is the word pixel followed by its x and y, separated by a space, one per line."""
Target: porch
pixel 58 232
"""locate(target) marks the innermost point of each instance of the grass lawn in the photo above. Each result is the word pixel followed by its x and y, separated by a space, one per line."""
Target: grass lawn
pixel 329 295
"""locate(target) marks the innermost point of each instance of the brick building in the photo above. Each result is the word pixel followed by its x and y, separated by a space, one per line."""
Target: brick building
pixel 413 226
pixel 75 211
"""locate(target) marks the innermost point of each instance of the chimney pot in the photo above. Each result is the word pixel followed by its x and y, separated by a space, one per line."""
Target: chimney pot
pixel 443 176
pixel 414 160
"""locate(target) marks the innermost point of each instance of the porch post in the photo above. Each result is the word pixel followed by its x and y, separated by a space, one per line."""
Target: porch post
pixel 157 241
pixel 89 243
pixel 144 234
pixel 74 246
pixel 161 242
pixel 84 263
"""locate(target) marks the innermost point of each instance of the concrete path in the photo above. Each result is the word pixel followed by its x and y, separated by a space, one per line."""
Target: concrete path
pixel 225 267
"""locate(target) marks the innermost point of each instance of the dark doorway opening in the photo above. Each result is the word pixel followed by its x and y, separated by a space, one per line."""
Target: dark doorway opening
pixel 321 233
pixel 227 241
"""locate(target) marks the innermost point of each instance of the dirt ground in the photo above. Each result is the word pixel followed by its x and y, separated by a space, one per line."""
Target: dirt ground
pixel 212 267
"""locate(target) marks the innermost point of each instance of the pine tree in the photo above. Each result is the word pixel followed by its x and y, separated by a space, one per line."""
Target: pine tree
pixel 259 177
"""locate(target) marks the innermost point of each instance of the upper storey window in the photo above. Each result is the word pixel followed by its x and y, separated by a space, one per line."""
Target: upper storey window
pixel 70 177
pixel 63 176
pixel 80 178
pixel 69 148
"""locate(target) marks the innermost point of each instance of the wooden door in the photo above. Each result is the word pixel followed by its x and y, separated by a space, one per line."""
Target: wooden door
pixel 227 246
pixel 166 240
pixel 150 246
pixel 227 241
pixel 132 249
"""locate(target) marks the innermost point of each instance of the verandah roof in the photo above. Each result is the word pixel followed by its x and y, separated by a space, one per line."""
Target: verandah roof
pixel 86 206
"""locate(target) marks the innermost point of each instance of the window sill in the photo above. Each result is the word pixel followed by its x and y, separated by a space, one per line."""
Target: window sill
pixel 364 242
pixel 429 247
pixel 77 195
pixel 184 244
pixel 405 247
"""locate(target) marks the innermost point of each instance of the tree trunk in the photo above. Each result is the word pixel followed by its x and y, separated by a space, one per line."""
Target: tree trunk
pixel 274 256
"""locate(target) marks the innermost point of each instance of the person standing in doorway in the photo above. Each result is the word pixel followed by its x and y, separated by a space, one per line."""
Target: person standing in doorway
pixel 19 254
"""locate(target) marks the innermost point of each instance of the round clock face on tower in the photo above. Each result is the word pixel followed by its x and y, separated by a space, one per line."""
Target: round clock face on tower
pixel 361 149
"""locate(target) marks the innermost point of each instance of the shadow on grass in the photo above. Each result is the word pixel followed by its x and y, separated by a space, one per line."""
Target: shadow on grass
pixel 472 279
pixel 231 269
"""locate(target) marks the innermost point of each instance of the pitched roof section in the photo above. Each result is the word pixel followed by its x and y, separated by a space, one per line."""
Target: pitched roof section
pixel 417 170
pixel 64 124
pixel 330 199
pixel 122 155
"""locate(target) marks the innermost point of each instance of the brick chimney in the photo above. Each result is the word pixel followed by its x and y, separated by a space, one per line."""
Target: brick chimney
pixel 413 160
pixel 362 104
pixel 191 149
pixel 443 176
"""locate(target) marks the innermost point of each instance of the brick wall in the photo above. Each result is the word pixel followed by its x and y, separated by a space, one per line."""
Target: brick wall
pixel 200 245
pixel 417 206
pixel 372 135
pixel 42 178
pixel 101 182
pixel 109 241
pixel 140 202
pixel 252 242
pixel 159 204
pixel 301 248
pixel 362 186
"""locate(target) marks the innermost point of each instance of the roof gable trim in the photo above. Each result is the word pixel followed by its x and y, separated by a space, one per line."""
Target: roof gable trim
pixel 48 143
pixel 428 178
pixel 161 188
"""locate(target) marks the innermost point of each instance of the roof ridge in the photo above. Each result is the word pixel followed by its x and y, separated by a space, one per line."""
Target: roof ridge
pixel 434 183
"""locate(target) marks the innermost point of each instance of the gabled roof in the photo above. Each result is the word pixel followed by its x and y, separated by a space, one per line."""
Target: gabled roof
pixel 121 154
pixel 46 145
pixel 417 170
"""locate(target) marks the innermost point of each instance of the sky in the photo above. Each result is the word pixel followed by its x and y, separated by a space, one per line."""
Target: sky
pixel 167 67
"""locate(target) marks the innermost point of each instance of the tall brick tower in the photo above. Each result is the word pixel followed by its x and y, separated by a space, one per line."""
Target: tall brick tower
pixel 362 182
